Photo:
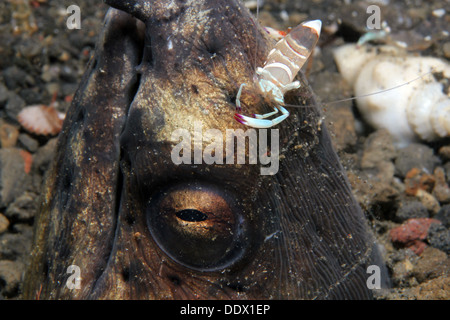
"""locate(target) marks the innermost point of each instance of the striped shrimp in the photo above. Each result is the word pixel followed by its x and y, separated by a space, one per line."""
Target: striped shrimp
pixel 277 76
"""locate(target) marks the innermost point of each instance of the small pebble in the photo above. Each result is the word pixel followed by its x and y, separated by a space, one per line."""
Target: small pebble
pixel 401 271
pixel 378 147
pixel 4 223
pixel 30 48
pixel 64 56
pixel 44 155
pixel 441 189
pixel 444 152
pixel 31 96
pixel 23 209
pixel 444 215
pixel 416 180
pixel 431 264
pixel 8 135
pixel 429 201
pixel 68 75
pixel 434 289
pixel 14 105
pixel 50 73
pixel 68 88
pixel 415 155
pixel 10 277
pixel 439 13
pixel 4 94
pixel 378 154
pixel 13 177
pixel 410 233
pixel 412 229
pixel 439 237
pixel 447 171
pixel 446 49
pixel 411 209
pixel 28 142
pixel 16 246
pixel 416 246
pixel 53 87
pixel 14 77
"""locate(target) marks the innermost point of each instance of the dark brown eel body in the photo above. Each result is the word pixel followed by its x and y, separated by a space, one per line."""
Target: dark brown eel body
pixel 141 227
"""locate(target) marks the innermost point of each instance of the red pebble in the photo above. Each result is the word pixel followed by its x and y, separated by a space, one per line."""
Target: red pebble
pixel 411 232
pixel 417 246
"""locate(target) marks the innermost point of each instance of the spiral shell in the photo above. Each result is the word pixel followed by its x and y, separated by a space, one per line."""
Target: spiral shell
pixel 410 102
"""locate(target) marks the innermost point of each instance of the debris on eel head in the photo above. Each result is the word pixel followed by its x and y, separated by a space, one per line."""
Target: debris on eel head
pixel 137 223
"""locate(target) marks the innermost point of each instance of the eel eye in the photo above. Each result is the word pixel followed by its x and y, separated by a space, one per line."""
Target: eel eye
pixel 198 225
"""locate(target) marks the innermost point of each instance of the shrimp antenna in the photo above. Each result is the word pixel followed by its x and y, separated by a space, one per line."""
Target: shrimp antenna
pixel 306 106
pixel 369 94
pixel 382 91
pixel 256 31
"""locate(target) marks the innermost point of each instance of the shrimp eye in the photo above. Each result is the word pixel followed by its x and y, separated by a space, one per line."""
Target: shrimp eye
pixel 198 225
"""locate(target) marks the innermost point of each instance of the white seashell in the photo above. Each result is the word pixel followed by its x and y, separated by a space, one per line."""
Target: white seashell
pixel 411 110
pixel 41 119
